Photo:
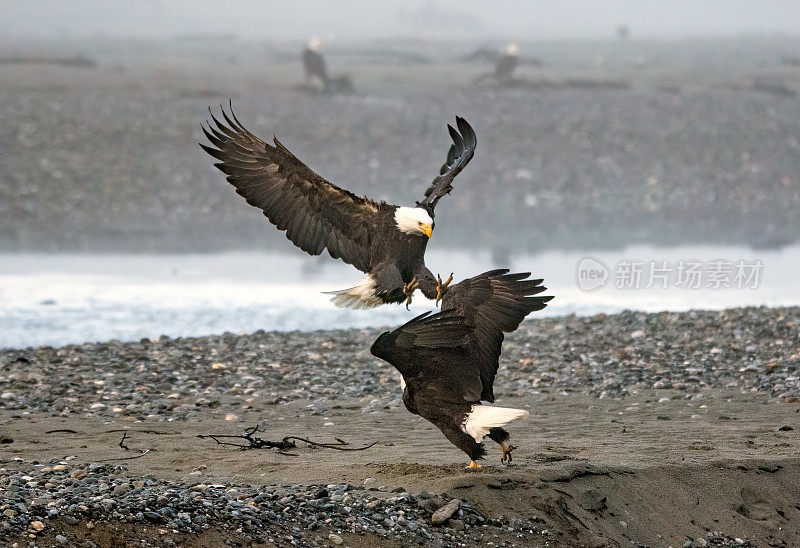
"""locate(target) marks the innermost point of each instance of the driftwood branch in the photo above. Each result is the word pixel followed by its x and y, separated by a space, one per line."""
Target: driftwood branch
pixel 126 448
pixel 283 446
pixel 143 453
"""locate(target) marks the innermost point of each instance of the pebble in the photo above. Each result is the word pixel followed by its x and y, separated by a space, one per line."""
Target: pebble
pixel 562 344
pixel 110 492
pixel 457 525
pixel 443 514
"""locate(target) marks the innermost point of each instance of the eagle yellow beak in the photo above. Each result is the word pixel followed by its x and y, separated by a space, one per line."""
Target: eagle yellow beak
pixel 427 229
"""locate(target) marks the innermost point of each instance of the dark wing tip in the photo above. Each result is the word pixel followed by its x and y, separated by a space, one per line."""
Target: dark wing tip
pixel 466 131
pixel 456 137
pixel 461 151
pixel 459 155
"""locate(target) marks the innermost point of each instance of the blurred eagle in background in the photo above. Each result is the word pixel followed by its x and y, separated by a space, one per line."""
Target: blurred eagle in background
pixel 316 69
pixel 385 241
pixel 505 62
pixel 314 62
pixel 506 65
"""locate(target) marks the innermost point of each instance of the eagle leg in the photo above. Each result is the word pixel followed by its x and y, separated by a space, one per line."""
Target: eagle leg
pixel 441 286
pixel 409 288
pixel 506 458
pixel 473 466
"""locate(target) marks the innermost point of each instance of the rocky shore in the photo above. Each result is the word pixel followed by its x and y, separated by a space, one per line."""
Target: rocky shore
pixel 97 496
pixel 739 350
pixel 623 407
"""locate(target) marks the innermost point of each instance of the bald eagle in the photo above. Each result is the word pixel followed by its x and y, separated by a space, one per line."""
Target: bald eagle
pixel 448 360
pixel 385 241
pixel 314 63
pixel 507 64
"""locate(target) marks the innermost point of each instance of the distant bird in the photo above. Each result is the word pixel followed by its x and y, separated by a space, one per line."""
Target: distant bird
pixel 385 241
pixel 314 63
pixel 483 54
pixel 507 64
pixel 623 32
pixel 448 360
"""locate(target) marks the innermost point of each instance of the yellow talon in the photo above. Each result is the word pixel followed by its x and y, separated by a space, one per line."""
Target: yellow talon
pixel 506 458
pixel 441 286
pixel 409 289
pixel 473 466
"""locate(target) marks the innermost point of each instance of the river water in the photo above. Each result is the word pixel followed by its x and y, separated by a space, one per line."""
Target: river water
pixel 51 299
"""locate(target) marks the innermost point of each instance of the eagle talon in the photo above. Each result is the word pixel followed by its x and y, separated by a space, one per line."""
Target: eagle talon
pixel 408 290
pixel 473 466
pixel 506 457
pixel 441 286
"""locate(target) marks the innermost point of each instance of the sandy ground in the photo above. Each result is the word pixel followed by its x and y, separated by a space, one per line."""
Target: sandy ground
pixel 592 471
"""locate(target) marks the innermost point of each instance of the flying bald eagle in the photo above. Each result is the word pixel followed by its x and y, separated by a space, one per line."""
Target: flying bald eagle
pixel 385 241
pixel 448 360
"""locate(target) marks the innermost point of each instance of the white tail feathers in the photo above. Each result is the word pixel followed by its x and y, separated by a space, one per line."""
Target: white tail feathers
pixel 483 418
pixel 359 296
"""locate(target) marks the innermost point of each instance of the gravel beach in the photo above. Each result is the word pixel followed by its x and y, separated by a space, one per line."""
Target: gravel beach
pixel 628 410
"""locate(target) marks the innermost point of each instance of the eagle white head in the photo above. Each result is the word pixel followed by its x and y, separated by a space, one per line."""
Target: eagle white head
pixel 413 220
pixel 512 49
pixel 315 43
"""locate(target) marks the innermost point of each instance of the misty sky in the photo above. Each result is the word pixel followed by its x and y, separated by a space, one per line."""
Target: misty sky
pixel 349 19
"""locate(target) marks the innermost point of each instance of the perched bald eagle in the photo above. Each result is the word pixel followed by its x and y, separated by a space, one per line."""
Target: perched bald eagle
pixel 385 241
pixel 314 63
pixel 507 63
pixel 448 360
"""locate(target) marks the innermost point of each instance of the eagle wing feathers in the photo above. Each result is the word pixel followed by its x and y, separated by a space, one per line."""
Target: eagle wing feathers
pixel 459 347
pixel 315 213
pixel 493 303
pixel 461 152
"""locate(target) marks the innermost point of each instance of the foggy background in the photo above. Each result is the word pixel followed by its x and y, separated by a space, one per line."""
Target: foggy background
pixel 427 19
pixel 645 129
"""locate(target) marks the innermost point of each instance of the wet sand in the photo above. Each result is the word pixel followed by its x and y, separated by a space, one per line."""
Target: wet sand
pixel 589 470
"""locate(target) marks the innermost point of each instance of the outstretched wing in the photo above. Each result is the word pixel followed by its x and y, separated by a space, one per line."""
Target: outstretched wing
pixel 412 345
pixel 458 349
pixel 314 213
pixel 493 303
pixel 461 152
